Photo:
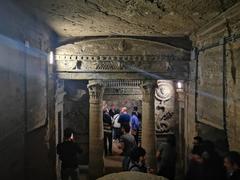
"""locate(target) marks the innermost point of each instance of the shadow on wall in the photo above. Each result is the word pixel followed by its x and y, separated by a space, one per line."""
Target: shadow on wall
pixel 217 136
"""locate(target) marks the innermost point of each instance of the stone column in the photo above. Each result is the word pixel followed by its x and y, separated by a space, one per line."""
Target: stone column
pixel 181 129
pixel 96 163
pixel 148 122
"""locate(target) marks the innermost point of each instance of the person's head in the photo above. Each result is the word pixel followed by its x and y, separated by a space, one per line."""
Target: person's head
pixel 135 108
pixel 232 161
pixel 126 128
pixel 68 134
pixel 138 155
pixel 112 106
pixel 124 110
pixel 197 140
pixel 117 111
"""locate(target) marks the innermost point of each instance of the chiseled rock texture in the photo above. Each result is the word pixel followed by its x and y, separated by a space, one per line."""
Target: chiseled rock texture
pixel 126 17
pixel 219 78
pixel 132 176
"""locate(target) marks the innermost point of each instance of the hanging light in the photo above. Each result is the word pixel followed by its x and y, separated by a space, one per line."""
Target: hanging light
pixel 179 86
pixel 51 57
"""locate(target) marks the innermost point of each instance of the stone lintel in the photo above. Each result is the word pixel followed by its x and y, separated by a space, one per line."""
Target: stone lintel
pixel 123 75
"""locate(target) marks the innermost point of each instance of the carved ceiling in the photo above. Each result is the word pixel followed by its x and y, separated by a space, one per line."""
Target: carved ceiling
pixel 72 18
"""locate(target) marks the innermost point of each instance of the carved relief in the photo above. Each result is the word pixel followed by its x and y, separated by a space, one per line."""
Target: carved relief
pixel 164 91
pixel 96 90
pixel 150 63
pixel 164 106
pixel 122 45
pixel 109 65
pixel 163 122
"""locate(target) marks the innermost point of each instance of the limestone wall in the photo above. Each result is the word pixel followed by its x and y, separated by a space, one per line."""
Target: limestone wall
pixel 218 78
pixel 24 135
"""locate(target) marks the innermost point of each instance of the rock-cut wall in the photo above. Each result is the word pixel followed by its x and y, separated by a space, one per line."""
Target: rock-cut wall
pixel 218 78
pixel 24 135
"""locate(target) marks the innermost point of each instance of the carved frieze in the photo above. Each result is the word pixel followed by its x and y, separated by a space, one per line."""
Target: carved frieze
pixel 150 63
pixel 122 87
pixel 122 83
pixel 122 91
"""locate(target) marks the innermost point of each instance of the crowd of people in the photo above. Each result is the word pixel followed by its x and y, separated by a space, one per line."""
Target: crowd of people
pixel 113 122
pixel 204 161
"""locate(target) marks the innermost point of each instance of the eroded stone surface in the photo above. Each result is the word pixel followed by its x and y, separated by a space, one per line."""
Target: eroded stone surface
pixel 220 84
pixel 124 17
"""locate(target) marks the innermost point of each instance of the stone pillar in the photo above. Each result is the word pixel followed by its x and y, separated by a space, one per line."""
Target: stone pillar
pixel 181 129
pixel 148 122
pixel 96 163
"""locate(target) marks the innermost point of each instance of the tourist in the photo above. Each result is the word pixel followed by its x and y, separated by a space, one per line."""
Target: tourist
pixel 166 157
pixel 197 140
pixel 112 111
pixel 124 117
pixel 116 125
pixel 127 143
pixel 135 126
pixel 232 165
pixel 137 160
pixel 196 165
pixel 68 151
pixel 139 115
pixel 212 161
pixel 107 129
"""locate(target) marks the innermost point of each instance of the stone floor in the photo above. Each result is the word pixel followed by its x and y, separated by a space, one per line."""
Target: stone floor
pixel 112 163
pixel 113 169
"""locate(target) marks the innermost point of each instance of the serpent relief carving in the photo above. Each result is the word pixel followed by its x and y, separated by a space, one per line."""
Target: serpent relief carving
pixel 164 103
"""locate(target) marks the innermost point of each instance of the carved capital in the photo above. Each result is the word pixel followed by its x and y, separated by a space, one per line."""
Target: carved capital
pixel 96 89
pixel 148 89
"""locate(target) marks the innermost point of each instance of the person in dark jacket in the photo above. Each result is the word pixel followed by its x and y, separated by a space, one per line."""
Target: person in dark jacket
pixel 124 118
pixel 196 165
pixel 166 158
pixel 232 165
pixel 137 160
pixel 67 152
pixel 107 128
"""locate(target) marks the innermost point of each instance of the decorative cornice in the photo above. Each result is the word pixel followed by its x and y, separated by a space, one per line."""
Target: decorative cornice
pixel 122 91
pixel 129 63
pixel 167 56
pixel 122 83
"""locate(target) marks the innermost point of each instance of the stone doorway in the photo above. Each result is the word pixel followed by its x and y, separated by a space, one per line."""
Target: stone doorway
pixel 103 62
pixel 120 93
